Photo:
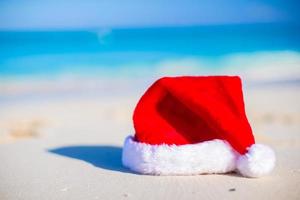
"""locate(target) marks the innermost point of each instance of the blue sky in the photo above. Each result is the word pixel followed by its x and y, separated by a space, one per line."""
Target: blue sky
pixel 75 14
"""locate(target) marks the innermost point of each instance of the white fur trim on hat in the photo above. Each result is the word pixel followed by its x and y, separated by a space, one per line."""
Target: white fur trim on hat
pixel 258 161
pixel 214 156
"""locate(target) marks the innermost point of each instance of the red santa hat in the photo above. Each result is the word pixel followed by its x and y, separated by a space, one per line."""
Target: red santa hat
pixel 195 125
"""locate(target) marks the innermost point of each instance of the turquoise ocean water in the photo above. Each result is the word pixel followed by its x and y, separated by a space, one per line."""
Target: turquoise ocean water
pixel 111 51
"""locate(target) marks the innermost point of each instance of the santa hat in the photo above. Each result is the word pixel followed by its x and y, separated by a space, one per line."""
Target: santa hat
pixel 195 125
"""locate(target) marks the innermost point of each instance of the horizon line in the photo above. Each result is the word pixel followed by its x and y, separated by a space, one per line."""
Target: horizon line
pixel 123 27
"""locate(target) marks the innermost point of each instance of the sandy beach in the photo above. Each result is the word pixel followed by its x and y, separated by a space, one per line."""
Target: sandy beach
pixel 65 142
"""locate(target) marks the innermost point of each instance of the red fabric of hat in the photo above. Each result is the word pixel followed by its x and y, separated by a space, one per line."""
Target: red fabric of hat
pixel 187 110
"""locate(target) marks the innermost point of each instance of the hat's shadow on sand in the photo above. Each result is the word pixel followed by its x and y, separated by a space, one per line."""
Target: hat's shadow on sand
pixel 105 157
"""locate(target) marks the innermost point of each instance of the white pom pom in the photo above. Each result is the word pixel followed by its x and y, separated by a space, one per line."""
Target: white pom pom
pixel 258 161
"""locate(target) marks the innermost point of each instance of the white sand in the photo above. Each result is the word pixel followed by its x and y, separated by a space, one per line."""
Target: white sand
pixel 68 146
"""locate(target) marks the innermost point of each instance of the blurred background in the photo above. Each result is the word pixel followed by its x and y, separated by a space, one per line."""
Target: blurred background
pixel 92 39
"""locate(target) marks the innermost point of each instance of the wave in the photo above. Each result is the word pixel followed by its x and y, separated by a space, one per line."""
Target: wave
pixel 256 66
